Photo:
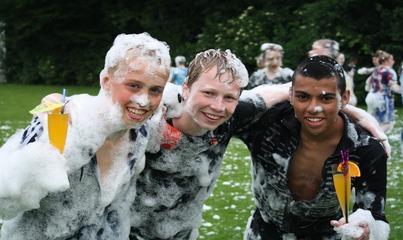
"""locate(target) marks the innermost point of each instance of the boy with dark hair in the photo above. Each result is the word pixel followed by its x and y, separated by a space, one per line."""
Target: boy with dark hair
pixel 295 148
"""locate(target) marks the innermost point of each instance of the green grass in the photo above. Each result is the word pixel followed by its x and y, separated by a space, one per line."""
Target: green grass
pixel 227 211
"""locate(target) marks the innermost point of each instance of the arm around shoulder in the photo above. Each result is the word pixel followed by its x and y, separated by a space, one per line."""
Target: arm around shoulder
pixel 271 94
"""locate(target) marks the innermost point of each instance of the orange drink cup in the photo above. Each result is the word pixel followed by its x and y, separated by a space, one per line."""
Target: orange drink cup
pixel 57 129
pixel 342 184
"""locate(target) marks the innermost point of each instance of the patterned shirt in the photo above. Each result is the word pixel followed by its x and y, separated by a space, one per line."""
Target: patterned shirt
pixel 272 142
pixel 78 213
pixel 175 183
pixel 260 77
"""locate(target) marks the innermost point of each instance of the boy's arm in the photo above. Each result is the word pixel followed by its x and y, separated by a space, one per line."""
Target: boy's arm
pixel 368 122
pixel 271 94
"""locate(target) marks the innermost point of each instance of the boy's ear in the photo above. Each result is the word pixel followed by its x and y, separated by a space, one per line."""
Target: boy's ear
pixel 104 80
pixel 290 98
pixel 185 91
pixel 345 98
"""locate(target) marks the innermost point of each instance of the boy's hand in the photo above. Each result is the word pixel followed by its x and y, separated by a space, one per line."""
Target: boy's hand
pixel 52 98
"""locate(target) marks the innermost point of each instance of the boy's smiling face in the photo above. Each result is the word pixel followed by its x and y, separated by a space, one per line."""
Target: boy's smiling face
pixel 137 86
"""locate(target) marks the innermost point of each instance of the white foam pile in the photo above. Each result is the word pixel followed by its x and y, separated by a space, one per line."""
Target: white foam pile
pixel 148 47
pixel 378 230
pixel 28 173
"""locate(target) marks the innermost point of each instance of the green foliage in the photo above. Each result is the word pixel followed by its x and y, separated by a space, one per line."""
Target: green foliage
pixel 296 25
pixel 64 42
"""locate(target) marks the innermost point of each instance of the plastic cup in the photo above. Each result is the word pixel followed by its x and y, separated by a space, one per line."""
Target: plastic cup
pixel 342 185
pixel 57 129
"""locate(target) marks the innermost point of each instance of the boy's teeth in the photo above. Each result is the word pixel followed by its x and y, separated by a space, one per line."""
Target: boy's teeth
pixel 314 119
pixel 136 111
pixel 212 116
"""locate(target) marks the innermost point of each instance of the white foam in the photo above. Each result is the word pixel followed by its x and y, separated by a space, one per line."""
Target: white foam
pixel 142 100
pixel 232 63
pixel 378 230
pixel 172 100
pixel 144 43
pixel 27 174
pixel 239 67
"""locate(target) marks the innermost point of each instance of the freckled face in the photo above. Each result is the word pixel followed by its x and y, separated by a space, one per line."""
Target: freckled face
pixel 317 103
pixel 137 87
pixel 210 100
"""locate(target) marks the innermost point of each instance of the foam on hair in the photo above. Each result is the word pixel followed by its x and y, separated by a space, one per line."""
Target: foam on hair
pixel 225 61
pixel 144 46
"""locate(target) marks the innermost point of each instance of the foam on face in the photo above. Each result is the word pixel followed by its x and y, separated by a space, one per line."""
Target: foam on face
pixel 143 100
pixel 318 109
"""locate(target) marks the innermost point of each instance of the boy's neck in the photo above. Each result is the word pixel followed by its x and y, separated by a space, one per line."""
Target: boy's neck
pixel 187 125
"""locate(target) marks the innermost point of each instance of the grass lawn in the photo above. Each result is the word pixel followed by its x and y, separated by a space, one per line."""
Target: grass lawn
pixel 227 211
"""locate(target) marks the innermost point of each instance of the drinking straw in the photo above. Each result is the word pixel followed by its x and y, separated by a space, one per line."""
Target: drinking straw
pixel 64 98
pixel 345 170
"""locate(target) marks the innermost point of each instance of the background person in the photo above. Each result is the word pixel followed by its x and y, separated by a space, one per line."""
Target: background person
pixel 273 72
pixel 382 82
pixel 180 71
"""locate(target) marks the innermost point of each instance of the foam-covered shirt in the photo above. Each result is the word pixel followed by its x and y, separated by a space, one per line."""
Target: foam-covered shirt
pixel 272 142
pixel 78 212
pixel 260 77
pixel 176 182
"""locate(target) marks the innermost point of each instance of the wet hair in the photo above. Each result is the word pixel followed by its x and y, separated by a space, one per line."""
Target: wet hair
pixel 321 67
pixel 131 46
pixel 329 44
pixel 225 61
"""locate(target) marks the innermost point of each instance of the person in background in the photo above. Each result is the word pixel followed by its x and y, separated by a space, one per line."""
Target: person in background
pixel 86 192
pixel 329 47
pixel 351 67
pixel 295 148
pixel 375 62
pixel 273 72
pixel 180 72
pixel 382 84
pixel 341 59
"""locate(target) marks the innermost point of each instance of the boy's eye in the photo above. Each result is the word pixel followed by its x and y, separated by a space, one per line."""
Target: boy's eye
pixel 134 85
pixel 230 98
pixel 156 90
pixel 208 93
pixel 327 98
pixel 301 97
